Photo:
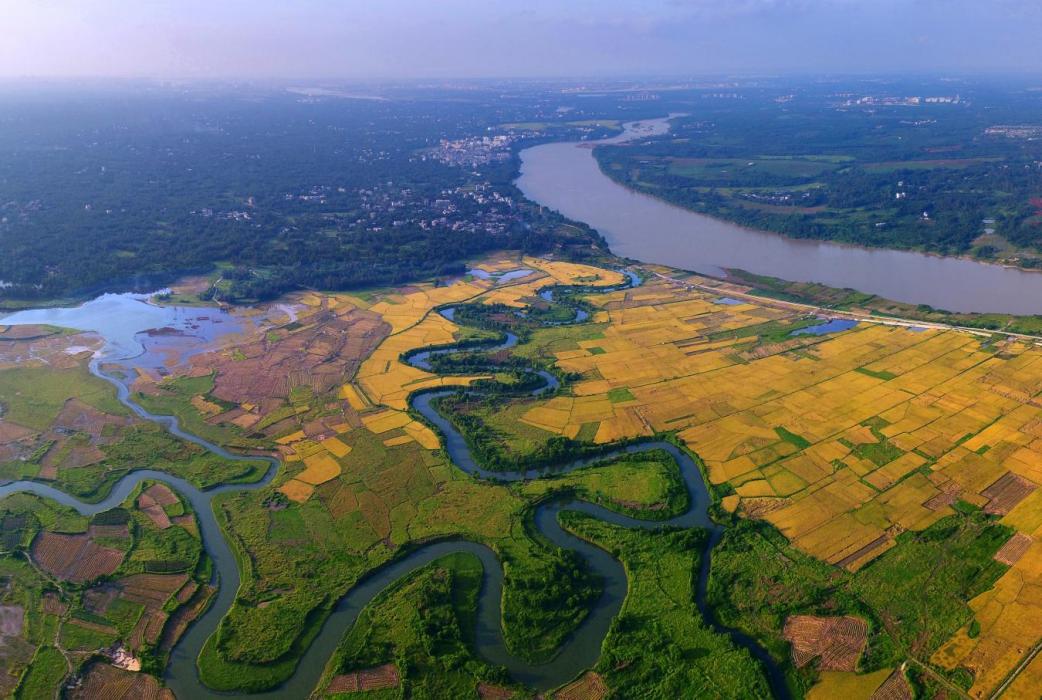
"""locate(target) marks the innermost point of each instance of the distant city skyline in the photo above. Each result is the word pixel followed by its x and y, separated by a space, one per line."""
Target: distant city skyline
pixel 403 39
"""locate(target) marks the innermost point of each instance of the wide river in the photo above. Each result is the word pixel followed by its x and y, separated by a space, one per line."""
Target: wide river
pixel 566 177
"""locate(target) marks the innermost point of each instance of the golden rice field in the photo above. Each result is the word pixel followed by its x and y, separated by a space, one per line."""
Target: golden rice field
pixel 840 441
pixel 379 392
pixel 851 686
pixel 384 379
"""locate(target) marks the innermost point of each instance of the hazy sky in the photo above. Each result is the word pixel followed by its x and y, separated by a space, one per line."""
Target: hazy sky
pixel 474 38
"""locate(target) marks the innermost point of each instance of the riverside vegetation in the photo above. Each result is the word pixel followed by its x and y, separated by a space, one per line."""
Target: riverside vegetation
pixel 873 489
pixel 938 524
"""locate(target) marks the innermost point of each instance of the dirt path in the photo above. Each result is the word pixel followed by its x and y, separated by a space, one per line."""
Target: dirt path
pixel 1024 663
pixel 69 666
pixel 959 692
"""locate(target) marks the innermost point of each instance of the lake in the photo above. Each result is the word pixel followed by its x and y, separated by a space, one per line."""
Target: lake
pixel 566 177
pixel 135 328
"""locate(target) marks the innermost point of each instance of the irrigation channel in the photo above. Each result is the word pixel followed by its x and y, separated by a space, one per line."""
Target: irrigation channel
pixel 581 650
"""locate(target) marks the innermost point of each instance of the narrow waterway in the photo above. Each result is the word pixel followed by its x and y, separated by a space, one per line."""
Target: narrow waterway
pixel 581 650
pixel 567 178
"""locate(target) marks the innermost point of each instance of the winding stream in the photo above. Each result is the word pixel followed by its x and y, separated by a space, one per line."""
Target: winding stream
pixel 582 649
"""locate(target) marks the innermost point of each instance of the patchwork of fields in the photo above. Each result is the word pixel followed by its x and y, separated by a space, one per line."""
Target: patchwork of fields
pixel 108 595
pixel 842 441
pixel 361 477
pixel 377 398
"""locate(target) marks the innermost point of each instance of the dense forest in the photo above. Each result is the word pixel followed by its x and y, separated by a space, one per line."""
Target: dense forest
pixel 129 187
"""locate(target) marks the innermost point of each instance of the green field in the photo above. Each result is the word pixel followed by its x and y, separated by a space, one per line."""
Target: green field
pixel 935 164
pixel 913 596
pixel 426 620
pixel 737 170
pixel 659 645
pixel 33 397
pixel 645 485
pixel 546 591
pixel 45 673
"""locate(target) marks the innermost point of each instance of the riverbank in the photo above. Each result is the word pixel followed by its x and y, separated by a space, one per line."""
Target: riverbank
pixel 666 195
pixel 681 355
pixel 845 301
pixel 567 178
pixel 298 677
pixel 758 295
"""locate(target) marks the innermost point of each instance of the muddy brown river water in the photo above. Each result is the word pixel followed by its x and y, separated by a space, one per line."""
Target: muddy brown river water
pixel 567 178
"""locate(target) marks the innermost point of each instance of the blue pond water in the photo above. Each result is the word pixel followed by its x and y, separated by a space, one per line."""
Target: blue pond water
pixel 500 276
pixel 834 326
pixel 124 321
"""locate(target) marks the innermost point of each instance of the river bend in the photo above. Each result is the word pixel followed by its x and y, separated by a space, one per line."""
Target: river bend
pixel 580 651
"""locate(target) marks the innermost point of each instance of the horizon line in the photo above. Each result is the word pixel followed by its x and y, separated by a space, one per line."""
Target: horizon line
pixel 603 77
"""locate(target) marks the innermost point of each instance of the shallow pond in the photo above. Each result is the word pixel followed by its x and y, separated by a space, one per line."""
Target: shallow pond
pixel 834 326
pixel 125 321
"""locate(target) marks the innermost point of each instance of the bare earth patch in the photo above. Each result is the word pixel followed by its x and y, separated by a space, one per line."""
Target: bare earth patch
pixel 39 346
pixel 1011 552
pixel 179 621
pixel 327 348
pixel 590 686
pixel 74 557
pixel 836 641
pixel 106 682
pixel 11 619
pixel 895 687
pixel 152 502
pixel 487 691
pixel 1006 493
pixel 377 678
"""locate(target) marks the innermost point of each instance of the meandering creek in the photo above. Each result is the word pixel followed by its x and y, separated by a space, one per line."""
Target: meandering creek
pixel 581 650
pixel 566 177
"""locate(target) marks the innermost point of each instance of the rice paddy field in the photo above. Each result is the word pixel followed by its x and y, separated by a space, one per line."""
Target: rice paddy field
pixel 841 441
pixel 103 598
pixel 364 478
pixel 879 484
pixel 894 427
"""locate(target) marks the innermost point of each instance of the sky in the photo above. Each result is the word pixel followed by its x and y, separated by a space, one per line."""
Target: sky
pixel 422 39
